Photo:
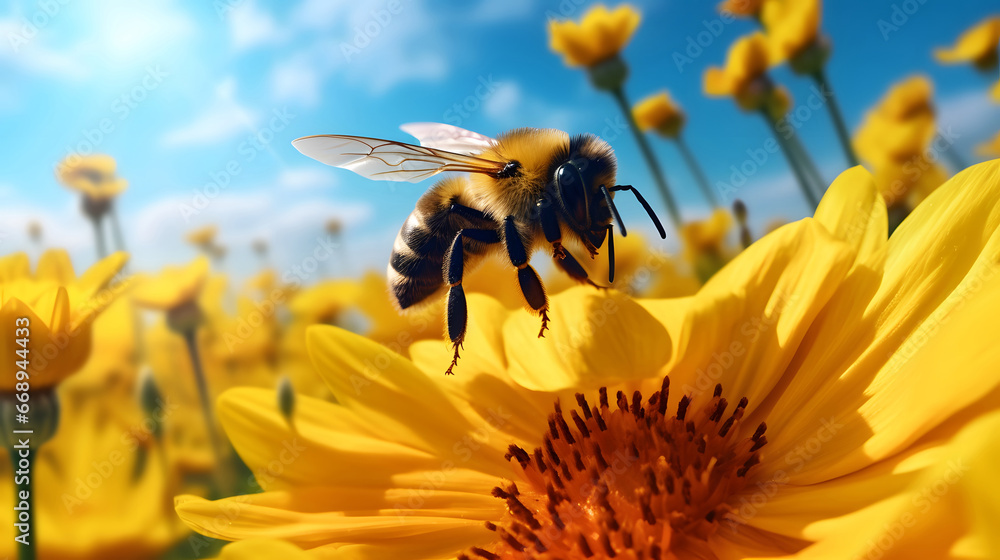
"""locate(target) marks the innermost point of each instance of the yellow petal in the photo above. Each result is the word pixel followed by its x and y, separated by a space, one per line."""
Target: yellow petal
pixel 853 212
pixel 326 444
pixel 384 388
pixel 974 44
pixel 314 516
pixel 262 549
pixel 55 266
pixel 589 342
pixel 742 339
pixel 894 364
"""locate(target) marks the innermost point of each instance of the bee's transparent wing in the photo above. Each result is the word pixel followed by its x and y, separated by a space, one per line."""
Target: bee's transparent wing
pixel 387 160
pixel 448 137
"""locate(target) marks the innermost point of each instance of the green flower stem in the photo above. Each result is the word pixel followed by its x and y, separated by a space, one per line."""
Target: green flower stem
pixel 647 152
pixel 25 551
pixel 116 231
pixel 102 249
pixel 698 172
pixel 837 116
pixel 191 339
pixel 794 163
pixel 808 165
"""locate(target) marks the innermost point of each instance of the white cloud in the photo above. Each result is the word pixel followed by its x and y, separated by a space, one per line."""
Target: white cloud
pixel 971 114
pixel 224 119
pixel 296 80
pixel 250 26
pixel 509 106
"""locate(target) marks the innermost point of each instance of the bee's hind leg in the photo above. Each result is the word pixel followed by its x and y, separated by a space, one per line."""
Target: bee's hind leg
pixel 527 278
pixel 457 315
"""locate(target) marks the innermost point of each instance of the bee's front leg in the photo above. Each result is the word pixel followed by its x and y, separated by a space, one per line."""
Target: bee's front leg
pixel 454 264
pixel 572 267
pixel 527 278
pixel 550 227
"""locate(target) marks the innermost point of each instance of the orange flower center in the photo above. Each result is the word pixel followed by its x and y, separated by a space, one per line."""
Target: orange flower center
pixel 628 476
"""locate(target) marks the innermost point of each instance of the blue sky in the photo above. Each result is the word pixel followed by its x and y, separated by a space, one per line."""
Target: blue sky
pixel 193 94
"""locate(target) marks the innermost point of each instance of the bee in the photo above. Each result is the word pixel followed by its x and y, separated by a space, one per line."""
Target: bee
pixel 525 190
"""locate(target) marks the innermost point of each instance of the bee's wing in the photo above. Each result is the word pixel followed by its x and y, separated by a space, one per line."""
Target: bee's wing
pixel 387 160
pixel 447 137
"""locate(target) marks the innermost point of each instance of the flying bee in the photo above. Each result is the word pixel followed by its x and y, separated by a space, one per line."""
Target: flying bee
pixel 525 190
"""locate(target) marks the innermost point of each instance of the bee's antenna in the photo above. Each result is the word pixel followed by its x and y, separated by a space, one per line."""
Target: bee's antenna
pixel 614 211
pixel 611 253
pixel 649 210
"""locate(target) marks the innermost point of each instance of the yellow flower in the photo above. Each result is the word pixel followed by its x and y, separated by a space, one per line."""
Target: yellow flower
pixel 203 236
pixel 793 33
pixel 600 36
pixel 995 92
pixel 990 148
pixel 908 182
pixel 742 8
pixel 659 112
pixel 704 243
pixel 900 126
pixel 54 310
pixel 173 287
pixel 977 45
pixel 744 77
pixel 94 176
pixel 99 492
pixel 819 384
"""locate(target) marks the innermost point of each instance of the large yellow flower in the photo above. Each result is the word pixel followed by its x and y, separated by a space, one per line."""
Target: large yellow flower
pixel 93 176
pixel 825 387
pixel 744 77
pixel 977 45
pixel 52 311
pixel 660 113
pixel 600 36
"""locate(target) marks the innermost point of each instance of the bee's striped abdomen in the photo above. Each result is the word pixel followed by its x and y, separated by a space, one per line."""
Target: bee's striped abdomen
pixel 415 269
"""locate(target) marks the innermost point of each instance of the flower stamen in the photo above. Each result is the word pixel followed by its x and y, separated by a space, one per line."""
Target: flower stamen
pixel 625 478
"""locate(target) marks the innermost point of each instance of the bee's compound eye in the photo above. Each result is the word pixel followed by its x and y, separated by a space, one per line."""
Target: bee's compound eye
pixel 572 192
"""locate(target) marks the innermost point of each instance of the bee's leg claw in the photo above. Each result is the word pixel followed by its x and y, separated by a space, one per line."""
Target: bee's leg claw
pixel 545 323
pixel 558 251
pixel 454 361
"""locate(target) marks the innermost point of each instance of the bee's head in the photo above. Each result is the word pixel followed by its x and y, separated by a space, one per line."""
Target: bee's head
pixel 576 190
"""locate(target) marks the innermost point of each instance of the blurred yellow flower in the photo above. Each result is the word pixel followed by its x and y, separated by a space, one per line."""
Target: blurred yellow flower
pixel 816 333
pixel 99 493
pixel 704 243
pixel 744 77
pixel 94 176
pixel 977 45
pixel 901 125
pixel 203 236
pixel 660 113
pixel 52 312
pixel 742 8
pixel 908 182
pixel 173 287
pixel 990 148
pixel 600 36
pixel 793 34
